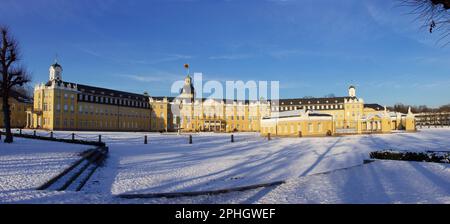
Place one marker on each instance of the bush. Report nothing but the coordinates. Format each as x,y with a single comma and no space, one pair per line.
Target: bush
437,157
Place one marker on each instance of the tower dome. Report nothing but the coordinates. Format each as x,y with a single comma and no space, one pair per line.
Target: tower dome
188,90
55,72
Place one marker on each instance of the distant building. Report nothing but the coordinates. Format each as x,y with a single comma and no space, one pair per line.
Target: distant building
433,119
19,104
331,116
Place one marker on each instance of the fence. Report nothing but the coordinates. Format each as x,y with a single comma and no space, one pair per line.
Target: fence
96,140
50,137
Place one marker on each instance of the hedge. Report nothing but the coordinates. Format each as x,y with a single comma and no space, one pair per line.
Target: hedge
428,156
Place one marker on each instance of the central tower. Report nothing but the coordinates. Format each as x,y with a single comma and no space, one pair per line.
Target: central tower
188,91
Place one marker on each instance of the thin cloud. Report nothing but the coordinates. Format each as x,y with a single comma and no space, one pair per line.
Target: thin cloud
168,58
155,61
232,57
156,76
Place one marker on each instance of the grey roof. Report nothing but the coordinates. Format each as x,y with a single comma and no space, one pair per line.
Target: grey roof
110,92
101,91
374,106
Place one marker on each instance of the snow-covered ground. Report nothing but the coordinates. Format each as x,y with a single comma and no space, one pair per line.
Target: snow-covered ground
169,164
26,164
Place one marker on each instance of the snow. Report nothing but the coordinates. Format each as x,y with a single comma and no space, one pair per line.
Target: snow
317,170
27,164
378,182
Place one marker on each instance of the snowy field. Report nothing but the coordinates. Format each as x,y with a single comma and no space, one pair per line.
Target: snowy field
317,170
26,164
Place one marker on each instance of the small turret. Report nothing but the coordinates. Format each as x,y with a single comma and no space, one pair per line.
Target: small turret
55,72
352,91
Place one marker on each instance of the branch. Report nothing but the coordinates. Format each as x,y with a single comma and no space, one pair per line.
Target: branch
18,77
435,15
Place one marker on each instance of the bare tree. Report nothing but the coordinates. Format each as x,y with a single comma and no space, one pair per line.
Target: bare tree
13,75
435,15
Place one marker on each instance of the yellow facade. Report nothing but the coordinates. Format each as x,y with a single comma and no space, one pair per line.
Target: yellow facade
59,107
206,115
18,108
160,115
348,115
410,121
62,105
302,124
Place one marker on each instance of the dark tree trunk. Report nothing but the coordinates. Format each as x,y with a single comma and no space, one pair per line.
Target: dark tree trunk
6,118
12,76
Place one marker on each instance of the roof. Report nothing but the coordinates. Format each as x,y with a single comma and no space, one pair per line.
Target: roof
374,106
100,91
110,92
56,65
19,96
171,99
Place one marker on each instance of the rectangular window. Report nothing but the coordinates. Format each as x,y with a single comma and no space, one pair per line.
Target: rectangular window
310,127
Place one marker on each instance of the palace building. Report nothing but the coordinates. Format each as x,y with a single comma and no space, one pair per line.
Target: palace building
61,105
194,114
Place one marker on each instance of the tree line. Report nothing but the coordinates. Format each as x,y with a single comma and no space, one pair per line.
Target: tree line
403,108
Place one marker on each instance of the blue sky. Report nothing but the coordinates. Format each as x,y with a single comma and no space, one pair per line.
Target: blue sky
313,47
